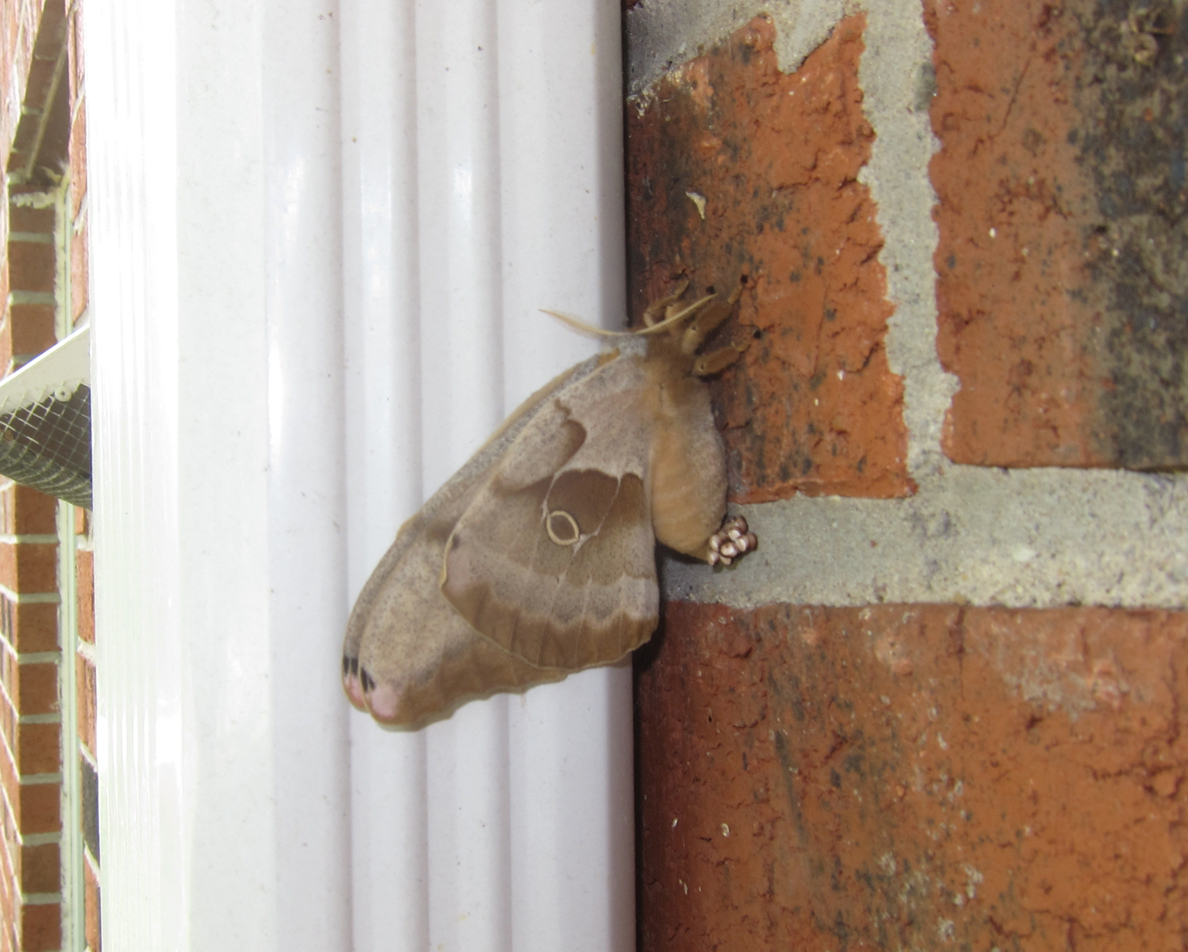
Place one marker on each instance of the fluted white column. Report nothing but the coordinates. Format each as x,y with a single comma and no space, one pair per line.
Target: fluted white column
320,235
483,144
216,248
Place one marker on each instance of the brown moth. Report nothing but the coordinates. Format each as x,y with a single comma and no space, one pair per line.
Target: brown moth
537,559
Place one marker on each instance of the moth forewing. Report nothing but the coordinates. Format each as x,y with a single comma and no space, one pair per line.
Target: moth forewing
588,600
408,656
538,558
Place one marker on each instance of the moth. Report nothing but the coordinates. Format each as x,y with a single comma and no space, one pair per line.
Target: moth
537,559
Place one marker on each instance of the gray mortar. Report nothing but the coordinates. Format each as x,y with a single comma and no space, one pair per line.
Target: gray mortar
895,74
663,34
1022,538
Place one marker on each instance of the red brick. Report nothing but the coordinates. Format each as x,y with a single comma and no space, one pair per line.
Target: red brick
8,723
80,522
39,78
9,824
912,776
85,580
31,266
85,681
25,511
37,806
32,687
36,625
40,808
1059,187
40,870
37,688
8,912
78,161
74,52
12,787
8,673
32,329
38,750
812,406
41,928
8,508
29,566
26,219
79,287
91,905
36,512
7,918
6,364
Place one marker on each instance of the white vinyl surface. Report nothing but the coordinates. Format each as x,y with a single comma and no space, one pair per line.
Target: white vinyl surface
320,237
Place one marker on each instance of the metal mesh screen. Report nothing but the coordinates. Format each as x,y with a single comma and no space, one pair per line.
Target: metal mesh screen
47,444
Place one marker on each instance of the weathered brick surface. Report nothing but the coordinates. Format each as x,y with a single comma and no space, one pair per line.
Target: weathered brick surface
85,685
30,626
31,266
31,328
34,34
78,162
79,252
8,919
37,748
18,23
40,808
913,777
25,511
41,928
40,870
29,566
812,406
91,903
28,219
85,571
1061,183
33,687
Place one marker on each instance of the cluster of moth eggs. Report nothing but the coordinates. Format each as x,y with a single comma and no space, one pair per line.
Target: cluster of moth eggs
731,541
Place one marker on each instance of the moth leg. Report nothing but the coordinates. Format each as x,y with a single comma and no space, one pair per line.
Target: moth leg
708,321
652,315
717,360
730,542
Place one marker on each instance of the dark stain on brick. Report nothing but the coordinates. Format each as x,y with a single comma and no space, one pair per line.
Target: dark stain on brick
1062,287
1133,96
90,806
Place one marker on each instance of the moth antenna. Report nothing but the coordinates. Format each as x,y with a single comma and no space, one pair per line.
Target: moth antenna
657,307
583,328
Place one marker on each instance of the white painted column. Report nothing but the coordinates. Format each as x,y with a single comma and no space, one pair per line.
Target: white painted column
484,161
220,511
319,239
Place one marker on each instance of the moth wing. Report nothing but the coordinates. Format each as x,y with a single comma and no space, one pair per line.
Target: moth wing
557,565
408,657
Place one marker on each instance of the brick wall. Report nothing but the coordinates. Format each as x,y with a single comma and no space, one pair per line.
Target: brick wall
43,289
939,706
77,278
